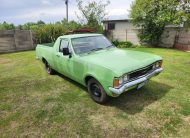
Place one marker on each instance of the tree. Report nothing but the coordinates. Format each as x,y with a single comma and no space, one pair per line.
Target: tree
28,25
184,12
31,25
40,22
6,26
92,13
153,15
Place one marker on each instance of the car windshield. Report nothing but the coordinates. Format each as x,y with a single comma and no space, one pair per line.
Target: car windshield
90,44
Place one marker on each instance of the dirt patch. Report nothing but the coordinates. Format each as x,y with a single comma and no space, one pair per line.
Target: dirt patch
188,61
187,119
4,60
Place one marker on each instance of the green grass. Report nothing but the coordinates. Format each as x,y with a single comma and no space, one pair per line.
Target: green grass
35,104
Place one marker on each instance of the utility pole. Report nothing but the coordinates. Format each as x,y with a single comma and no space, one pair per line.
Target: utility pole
67,15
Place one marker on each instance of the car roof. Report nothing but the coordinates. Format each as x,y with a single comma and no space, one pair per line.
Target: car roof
79,35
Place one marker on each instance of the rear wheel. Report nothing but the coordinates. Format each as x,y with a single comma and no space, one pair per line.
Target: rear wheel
48,68
97,92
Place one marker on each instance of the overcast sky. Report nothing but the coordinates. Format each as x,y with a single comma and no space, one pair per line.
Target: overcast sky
22,11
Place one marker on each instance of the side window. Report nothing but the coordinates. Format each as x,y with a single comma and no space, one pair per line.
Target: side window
64,44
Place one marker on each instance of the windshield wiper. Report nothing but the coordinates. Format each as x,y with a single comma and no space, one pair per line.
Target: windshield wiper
109,46
95,49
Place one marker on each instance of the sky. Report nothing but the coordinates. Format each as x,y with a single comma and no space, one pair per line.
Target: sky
50,11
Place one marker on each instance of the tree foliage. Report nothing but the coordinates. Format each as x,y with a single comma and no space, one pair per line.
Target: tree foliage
44,33
6,26
153,15
92,13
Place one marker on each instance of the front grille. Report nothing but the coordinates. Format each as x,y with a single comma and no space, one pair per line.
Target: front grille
140,73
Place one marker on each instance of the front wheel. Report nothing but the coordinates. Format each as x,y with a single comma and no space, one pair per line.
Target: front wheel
97,92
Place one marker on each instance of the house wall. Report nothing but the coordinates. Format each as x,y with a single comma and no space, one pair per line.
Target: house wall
124,31
15,40
171,37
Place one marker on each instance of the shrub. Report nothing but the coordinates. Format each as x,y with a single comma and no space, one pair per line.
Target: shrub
116,42
47,33
122,44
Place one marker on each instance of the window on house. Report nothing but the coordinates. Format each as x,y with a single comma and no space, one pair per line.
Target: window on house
111,26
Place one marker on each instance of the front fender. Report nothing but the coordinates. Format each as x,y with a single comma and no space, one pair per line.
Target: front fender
103,75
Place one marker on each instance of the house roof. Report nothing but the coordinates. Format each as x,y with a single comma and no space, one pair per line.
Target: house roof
127,20
118,20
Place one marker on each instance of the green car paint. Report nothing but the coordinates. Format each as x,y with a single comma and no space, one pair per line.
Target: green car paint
103,65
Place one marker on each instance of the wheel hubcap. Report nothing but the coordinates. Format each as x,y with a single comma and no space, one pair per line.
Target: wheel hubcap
95,90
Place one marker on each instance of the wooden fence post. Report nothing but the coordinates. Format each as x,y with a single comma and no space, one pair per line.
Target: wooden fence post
31,38
126,34
14,35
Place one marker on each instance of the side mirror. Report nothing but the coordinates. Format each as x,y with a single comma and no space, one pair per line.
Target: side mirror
66,52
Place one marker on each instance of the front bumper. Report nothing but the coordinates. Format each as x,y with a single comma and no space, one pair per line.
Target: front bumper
135,82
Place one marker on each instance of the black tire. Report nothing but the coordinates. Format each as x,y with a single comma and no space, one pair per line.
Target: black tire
49,70
97,92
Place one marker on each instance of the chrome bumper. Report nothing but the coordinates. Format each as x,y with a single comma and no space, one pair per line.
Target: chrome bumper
135,82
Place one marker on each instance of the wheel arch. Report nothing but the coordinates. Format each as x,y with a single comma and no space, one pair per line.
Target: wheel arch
88,77
44,60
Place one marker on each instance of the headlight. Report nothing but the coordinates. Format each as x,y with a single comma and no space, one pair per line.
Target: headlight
120,80
157,65
160,63
125,78
154,66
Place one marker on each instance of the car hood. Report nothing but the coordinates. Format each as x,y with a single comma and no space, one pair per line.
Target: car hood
119,60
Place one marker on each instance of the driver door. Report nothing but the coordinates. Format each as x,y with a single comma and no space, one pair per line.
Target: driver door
63,60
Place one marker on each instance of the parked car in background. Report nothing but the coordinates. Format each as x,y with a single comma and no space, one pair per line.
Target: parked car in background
93,61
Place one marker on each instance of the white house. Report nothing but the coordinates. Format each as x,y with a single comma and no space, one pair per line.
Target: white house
121,30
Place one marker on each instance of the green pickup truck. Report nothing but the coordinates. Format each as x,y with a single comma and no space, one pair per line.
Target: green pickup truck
93,61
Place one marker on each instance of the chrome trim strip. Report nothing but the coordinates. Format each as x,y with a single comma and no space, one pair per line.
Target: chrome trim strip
135,82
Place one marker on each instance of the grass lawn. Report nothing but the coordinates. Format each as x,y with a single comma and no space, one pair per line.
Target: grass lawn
35,104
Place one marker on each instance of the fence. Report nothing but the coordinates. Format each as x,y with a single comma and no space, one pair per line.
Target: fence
176,37
183,40
168,37
15,40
